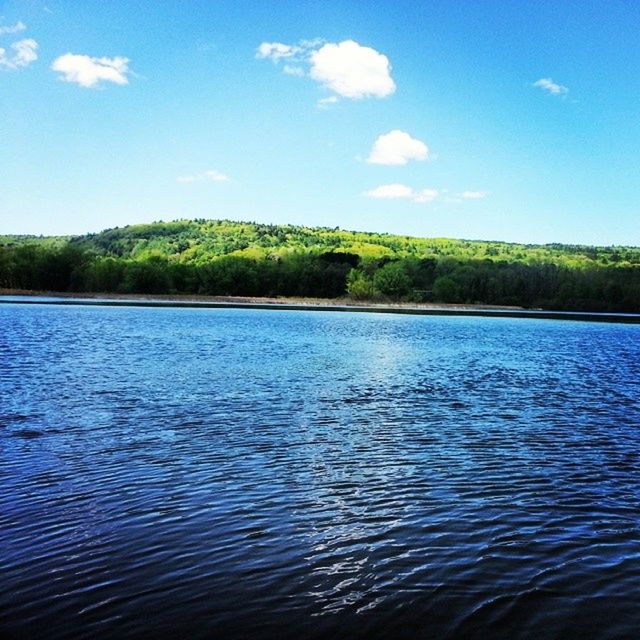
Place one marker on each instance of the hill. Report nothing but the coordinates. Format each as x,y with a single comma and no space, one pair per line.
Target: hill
240,258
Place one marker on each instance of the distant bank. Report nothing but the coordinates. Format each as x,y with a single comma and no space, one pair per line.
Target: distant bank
302,304
227,258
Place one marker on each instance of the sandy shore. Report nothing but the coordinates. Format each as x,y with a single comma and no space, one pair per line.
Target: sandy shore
303,304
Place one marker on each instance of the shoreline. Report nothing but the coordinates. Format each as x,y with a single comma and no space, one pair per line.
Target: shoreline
8,296
289,300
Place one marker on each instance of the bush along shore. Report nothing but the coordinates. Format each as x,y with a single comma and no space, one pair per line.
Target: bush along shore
223,258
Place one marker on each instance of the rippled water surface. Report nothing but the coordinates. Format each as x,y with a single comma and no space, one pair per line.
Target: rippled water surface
194,473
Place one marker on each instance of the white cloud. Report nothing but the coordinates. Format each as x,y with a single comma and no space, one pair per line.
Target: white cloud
473,195
291,70
206,176
397,147
425,195
324,103
24,53
216,176
398,191
547,84
90,72
15,28
347,68
352,71
457,198
390,191
275,51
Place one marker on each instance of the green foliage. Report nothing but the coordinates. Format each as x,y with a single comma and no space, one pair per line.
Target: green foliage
392,281
221,257
359,285
446,289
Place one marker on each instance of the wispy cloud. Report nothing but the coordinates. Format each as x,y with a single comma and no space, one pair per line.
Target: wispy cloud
425,195
397,148
346,68
398,191
390,192
90,72
473,195
548,85
457,198
212,175
14,28
292,70
275,51
23,53
324,103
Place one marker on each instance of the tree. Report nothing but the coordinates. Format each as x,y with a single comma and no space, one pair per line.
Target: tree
445,289
392,281
359,285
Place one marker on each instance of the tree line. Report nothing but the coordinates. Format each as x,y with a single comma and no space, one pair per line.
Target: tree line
77,267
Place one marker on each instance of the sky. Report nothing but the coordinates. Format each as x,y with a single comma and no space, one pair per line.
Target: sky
515,121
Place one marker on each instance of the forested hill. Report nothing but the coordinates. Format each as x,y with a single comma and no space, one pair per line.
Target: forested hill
202,240
236,258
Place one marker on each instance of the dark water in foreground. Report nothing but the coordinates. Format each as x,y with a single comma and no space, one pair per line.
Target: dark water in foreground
216,473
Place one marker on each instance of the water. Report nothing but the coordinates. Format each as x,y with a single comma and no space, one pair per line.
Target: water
192,473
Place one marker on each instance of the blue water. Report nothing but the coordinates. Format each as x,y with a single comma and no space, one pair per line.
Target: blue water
195,473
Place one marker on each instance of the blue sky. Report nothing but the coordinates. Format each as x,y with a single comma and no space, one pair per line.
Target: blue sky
485,120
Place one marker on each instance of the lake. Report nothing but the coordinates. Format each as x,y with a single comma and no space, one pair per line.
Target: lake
203,473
